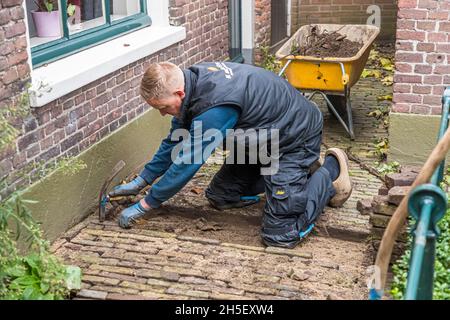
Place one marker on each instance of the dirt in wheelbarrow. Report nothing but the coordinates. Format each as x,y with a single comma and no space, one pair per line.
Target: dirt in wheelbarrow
327,45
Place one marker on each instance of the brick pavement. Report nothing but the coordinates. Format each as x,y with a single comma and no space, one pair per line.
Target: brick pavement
190,251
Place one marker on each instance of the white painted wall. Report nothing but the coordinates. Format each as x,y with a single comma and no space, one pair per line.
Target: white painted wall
126,8
159,12
289,17
248,29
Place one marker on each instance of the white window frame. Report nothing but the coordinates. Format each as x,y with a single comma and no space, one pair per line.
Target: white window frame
61,77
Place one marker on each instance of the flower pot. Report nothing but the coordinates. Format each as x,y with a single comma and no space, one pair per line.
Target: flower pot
47,23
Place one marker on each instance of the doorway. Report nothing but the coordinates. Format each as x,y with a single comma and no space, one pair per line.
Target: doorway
279,22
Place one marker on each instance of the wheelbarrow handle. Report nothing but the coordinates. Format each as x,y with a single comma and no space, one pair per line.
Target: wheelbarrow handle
285,67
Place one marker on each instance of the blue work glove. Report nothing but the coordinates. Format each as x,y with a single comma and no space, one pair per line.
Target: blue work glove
129,215
132,188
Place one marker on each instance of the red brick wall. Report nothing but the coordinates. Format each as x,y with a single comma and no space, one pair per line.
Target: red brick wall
76,121
262,26
422,56
14,70
344,12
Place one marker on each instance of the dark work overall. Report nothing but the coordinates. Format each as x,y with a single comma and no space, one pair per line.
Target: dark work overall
295,198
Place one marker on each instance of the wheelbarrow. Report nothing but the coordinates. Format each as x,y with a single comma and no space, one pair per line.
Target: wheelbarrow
330,77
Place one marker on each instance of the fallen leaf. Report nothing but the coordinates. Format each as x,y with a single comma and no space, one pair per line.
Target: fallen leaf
197,190
371,73
387,81
386,97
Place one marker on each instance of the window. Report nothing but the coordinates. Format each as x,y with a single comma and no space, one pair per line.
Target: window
66,74
58,28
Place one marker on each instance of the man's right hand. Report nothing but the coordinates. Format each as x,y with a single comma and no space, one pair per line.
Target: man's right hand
132,188
129,215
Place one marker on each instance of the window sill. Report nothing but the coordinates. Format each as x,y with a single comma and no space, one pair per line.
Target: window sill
61,77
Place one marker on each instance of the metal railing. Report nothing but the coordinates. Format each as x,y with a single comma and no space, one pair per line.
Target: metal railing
427,204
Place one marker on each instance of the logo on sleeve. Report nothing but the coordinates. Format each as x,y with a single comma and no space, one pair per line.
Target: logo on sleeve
227,70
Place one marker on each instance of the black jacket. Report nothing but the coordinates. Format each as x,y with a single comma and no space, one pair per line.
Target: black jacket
265,100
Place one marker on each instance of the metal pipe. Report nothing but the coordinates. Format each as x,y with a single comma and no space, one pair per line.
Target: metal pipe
439,174
417,255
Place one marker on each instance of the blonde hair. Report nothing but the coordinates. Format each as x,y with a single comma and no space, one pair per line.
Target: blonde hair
160,80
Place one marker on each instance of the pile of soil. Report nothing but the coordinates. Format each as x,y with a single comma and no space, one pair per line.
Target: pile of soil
327,45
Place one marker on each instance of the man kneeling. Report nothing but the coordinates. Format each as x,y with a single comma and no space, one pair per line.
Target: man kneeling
217,97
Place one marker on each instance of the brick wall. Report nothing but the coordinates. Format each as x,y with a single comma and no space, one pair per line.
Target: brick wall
74,122
344,12
422,56
262,26
295,15
14,70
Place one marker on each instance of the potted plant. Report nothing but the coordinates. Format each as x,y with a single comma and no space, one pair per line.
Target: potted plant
47,18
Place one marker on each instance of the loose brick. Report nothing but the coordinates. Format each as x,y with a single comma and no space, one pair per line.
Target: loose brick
396,194
364,206
378,220
377,234
380,205
400,179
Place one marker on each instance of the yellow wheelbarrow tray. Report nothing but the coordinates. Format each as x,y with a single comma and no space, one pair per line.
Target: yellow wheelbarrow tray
331,77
